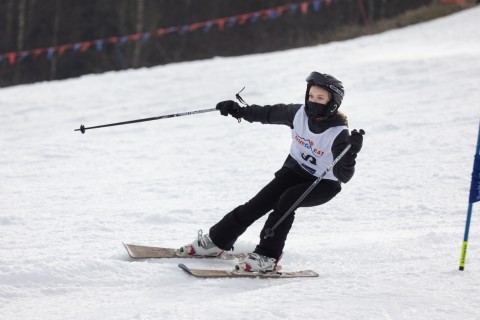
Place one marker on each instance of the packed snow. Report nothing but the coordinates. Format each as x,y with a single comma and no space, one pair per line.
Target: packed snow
387,247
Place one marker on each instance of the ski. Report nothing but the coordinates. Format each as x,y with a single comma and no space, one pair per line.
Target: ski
210,273
148,252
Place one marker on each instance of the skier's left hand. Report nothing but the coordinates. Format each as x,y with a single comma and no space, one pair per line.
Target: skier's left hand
356,140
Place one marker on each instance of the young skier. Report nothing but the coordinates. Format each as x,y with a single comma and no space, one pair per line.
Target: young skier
319,134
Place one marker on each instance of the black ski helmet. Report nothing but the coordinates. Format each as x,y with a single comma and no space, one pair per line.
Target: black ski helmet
329,83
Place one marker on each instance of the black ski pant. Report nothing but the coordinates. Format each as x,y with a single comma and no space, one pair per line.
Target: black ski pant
279,195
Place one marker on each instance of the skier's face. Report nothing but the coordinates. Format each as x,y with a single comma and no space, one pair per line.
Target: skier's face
319,95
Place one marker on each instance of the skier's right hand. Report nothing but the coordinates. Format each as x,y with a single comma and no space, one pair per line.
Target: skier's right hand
230,107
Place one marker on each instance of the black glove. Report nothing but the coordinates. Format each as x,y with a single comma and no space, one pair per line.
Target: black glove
230,107
356,140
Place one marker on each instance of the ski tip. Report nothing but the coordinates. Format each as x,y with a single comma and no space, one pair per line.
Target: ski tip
126,245
184,267
313,273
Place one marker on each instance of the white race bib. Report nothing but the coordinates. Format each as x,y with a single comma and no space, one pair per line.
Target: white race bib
313,151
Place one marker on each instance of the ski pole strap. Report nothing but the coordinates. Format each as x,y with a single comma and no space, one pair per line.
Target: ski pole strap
240,99
269,232
83,128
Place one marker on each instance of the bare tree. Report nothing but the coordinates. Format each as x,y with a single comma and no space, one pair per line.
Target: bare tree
56,25
22,6
9,25
371,10
138,29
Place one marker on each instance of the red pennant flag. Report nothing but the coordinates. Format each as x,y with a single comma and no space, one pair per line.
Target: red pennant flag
11,57
37,52
243,18
304,7
196,26
135,37
220,23
62,49
281,9
160,32
84,46
266,14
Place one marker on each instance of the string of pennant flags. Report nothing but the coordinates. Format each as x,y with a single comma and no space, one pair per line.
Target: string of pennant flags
206,26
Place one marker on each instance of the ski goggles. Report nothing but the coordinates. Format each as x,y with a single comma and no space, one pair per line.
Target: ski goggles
319,79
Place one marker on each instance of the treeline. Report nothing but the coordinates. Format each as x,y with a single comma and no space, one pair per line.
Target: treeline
34,31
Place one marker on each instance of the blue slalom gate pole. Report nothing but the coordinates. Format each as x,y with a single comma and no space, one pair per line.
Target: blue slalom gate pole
474,197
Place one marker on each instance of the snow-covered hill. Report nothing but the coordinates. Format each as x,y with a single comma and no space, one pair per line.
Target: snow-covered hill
386,248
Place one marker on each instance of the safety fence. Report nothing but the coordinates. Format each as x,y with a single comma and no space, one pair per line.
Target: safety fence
92,37
204,26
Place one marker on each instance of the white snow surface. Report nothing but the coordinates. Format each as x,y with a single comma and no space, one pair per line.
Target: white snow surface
387,247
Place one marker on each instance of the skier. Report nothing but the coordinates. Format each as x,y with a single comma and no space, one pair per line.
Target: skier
319,134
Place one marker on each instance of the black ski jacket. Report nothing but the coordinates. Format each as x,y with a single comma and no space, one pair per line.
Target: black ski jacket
284,114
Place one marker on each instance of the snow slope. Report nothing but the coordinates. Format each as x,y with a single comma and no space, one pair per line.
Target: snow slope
386,248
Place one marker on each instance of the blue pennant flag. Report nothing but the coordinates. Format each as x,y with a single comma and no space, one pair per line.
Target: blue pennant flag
475,186
99,44
171,29
207,27
272,15
146,37
231,22
50,53
23,56
255,17
183,30
293,8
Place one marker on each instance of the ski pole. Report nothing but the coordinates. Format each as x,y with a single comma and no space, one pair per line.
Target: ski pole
83,128
269,232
